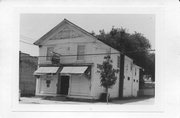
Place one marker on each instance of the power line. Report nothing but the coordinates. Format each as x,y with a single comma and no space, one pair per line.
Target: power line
83,54
94,54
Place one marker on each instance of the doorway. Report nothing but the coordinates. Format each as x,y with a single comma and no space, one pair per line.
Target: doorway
63,85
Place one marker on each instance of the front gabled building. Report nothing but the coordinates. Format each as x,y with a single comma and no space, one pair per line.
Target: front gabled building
68,58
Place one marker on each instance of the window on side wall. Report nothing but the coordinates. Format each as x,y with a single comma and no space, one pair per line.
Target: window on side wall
80,52
49,53
126,67
131,65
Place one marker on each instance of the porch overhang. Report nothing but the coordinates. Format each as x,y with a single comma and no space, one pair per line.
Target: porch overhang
46,70
74,69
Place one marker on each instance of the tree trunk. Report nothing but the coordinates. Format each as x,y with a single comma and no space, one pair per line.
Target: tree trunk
107,95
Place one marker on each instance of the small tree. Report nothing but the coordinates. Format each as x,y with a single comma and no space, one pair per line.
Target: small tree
107,74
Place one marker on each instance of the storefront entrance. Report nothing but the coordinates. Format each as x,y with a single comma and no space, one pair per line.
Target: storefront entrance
63,85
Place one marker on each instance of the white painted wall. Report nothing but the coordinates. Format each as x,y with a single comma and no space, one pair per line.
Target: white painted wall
127,89
136,78
43,89
131,87
96,88
69,47
79,85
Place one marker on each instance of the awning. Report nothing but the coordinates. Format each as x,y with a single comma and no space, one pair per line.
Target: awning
74,69
45,70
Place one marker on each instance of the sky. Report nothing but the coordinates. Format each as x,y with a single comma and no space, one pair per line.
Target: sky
34,26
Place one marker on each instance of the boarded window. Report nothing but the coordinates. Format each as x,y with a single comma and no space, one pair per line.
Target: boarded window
118,61
49,53
80,52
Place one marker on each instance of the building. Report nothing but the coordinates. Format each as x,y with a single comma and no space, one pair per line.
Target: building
68,64
148,88
27,66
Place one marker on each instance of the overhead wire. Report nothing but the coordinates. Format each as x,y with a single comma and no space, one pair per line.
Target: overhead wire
84,54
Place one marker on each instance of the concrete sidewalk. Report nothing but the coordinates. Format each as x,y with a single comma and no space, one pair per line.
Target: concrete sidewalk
40,100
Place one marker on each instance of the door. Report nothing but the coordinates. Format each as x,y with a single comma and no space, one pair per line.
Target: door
59,84
64,86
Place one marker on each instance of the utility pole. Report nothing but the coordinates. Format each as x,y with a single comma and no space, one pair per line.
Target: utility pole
121,74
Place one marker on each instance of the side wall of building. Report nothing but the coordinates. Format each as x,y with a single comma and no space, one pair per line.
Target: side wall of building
131,78
27,82
96,88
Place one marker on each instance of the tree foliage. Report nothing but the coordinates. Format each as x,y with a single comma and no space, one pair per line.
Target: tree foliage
107,74
134,45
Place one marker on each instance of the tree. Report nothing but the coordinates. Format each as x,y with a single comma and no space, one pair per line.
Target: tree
107,74
134,45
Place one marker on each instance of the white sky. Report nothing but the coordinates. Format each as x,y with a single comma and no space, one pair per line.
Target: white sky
33,26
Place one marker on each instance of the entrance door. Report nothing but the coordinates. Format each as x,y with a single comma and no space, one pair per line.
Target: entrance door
64,85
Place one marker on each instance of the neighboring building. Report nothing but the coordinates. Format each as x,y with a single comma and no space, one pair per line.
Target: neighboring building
27,66
148,88
73,71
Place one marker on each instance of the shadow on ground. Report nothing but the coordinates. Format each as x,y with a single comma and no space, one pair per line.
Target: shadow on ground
113,101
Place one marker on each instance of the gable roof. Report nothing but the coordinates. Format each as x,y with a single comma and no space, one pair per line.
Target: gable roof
72,24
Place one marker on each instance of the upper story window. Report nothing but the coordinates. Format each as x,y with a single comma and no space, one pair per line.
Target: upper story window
49,53
80,52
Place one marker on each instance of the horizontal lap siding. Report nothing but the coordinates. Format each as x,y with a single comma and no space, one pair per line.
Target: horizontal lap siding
80,85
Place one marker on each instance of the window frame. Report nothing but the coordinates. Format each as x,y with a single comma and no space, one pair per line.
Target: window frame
48,54
80,53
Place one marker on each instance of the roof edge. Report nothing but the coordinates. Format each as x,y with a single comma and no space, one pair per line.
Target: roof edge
69,22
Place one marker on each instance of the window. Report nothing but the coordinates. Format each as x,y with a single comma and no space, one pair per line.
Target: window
118,61
80,52
126,67
109,52
48,82
49,53
131,65
128,78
